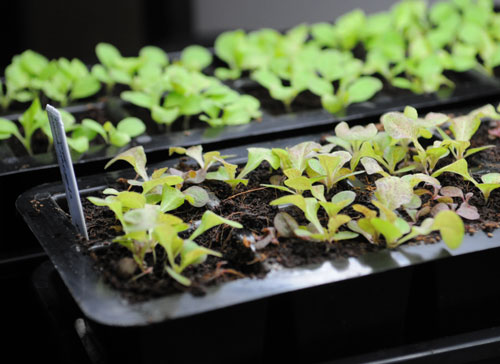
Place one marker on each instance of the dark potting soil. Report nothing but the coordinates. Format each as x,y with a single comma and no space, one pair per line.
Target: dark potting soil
250,206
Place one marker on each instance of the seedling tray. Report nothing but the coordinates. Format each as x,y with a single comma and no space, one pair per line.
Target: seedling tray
331,310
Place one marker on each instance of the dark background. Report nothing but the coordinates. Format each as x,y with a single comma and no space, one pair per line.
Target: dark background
62,28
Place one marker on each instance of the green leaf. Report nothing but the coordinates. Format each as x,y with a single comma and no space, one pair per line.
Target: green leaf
95,127
491,181
119,138
136,158
464,127
451,228
8,128
131,200
331,103
356,133
177,276
142,219
164,116
209,220
107,54
363,89
131,126
85,87
196,57
389,230
193,254
196,196
459,167
138,98
164,180
155,55
255,157
171,198
308,205
99,72
80,144
112,203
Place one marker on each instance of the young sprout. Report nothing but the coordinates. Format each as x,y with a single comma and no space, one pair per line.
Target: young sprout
445,200
351,139
310,206
329,168
407,128
32,120
463,128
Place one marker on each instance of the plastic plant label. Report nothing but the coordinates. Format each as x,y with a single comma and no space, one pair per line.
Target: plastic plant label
67,172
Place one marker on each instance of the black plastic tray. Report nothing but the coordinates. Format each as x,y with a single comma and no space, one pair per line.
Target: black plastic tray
335,309
470,86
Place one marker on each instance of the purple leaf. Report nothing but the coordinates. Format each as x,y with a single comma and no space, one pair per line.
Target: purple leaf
468,211
438,208
451,191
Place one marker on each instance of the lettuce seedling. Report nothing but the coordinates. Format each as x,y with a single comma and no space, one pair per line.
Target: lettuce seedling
310,207
33,119
184,92
187,250
491,181
297,157
297,184
445,200
23,77
351,139
65,81
136,157
114,68
119,136
255,156
227,174
463,128
330,168
333,65
397,231
407,127
204,160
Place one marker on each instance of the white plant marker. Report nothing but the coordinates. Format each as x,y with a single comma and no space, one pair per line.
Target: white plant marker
67,172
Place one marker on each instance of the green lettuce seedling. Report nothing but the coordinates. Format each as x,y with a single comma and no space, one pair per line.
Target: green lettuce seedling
22,77
33,119
297,184
351,139
310,207
491,181
187,250
333,65
114,68
463,128
408,127
227,174
255,156
204,160
330,168
180,91
119,136
65,81
298,156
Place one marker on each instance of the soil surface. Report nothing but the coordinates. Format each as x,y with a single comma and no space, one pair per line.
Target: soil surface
249,205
